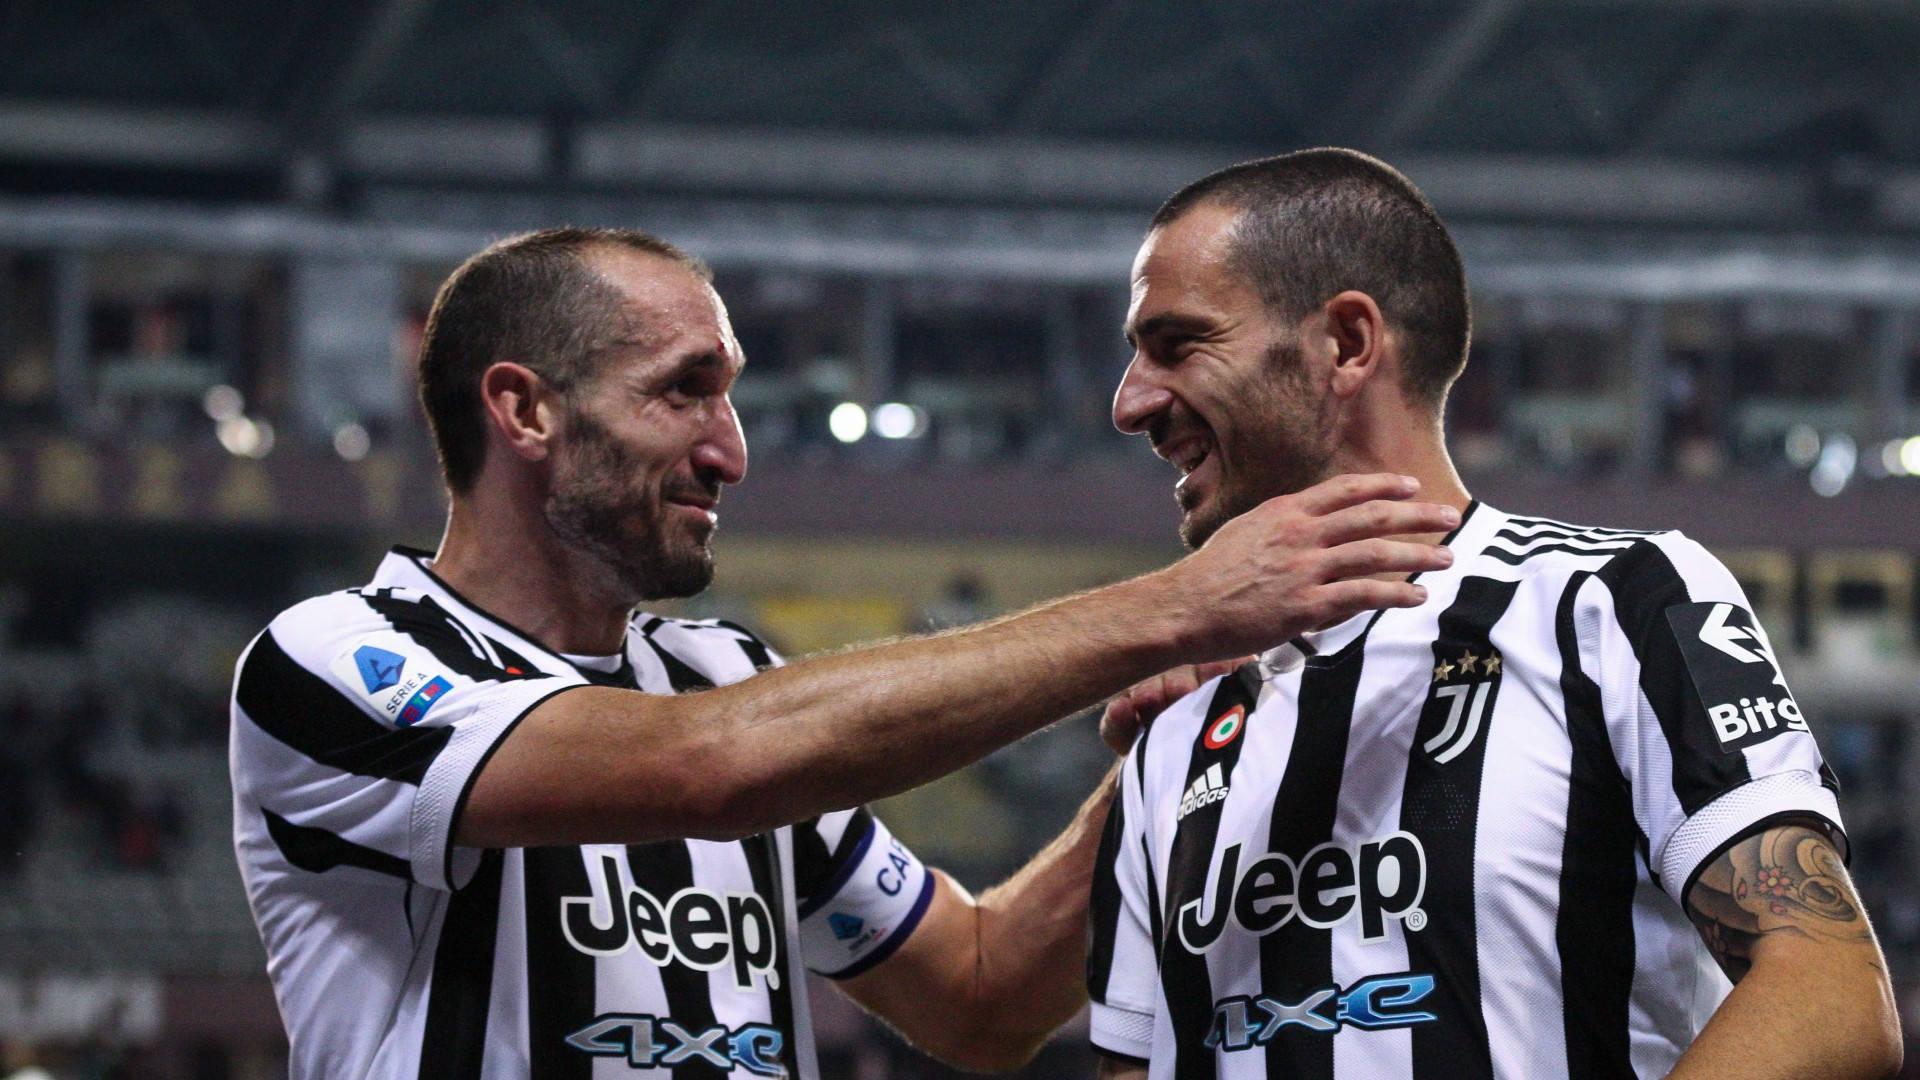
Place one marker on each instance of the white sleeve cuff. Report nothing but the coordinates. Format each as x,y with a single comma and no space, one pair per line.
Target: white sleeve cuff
1713,825
1122,1031
443,790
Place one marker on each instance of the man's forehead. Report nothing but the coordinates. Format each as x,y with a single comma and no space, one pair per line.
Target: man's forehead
663,300
1188,258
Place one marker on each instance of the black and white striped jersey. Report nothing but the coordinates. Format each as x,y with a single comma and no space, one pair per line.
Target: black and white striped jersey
360,721
1452,841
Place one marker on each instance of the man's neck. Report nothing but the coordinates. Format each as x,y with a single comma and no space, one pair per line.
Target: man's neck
1410,442
508,562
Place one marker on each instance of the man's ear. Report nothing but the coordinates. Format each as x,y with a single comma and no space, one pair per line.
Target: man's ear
522,408
1358,333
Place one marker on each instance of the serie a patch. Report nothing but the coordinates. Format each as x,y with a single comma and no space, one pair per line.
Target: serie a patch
1733,670
393,676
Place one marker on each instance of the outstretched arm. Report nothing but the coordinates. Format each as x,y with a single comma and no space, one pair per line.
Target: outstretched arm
597,765
982,983
1812,998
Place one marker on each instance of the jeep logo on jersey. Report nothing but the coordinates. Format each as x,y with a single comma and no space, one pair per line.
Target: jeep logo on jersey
695,927
1735,673
1379,879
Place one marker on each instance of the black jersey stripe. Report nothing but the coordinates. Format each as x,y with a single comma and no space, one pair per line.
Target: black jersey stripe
514,663
317,850
763,863
560,978
1104,900
307,713
1296,959
432,628
1520,539
1441,807
818,874
1189,989
667,867
1515,558
757,652
1645,583
1594,923
1157,922
1549,523
680,674
454,1041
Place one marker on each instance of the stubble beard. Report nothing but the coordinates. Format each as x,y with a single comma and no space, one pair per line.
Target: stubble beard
592,508
1295,454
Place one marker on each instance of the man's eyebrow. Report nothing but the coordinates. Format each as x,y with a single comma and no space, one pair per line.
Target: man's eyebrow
1162,324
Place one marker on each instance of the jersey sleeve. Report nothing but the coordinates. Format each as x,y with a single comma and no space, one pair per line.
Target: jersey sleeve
1699,716
861,892
360,721
1122,971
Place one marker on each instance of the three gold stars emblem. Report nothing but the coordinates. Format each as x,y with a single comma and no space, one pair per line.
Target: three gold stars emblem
1467,666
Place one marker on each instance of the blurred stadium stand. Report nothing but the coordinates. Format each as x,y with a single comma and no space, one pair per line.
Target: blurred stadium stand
1693,229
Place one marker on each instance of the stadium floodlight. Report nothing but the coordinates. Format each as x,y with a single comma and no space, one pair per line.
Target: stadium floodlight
245,437
896,420
1885,463
1910,456
847,422
222,402
1838,458
1803,445
351,442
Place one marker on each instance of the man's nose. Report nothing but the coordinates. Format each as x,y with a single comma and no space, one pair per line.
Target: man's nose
723,450
1139,398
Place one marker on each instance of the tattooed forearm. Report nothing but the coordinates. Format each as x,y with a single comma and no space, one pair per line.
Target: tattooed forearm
1787,880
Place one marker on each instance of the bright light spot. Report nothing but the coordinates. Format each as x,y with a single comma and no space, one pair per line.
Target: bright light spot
223,402
897,421
245,438
1803,445
1890,462
1910,456
848,422
351,441
1835,466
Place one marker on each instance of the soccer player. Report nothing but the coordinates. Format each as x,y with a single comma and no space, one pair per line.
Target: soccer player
473,848
1562,819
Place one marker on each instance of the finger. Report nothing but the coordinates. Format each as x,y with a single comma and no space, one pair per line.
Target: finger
1181,682
1382,518
1119,724
1214,668
1352,489
1341,599
1364,557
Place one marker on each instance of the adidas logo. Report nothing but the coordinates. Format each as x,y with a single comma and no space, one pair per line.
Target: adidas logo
1207,788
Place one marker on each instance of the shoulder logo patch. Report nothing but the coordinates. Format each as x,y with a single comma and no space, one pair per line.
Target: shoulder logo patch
1733,670
399,682
379,668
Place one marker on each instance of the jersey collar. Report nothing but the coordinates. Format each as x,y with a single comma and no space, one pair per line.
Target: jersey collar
411,568
1468,539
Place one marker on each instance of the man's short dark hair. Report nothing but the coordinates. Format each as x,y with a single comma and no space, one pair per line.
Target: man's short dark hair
1315,223
534,299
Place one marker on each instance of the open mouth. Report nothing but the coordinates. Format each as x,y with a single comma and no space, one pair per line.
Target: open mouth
1186,454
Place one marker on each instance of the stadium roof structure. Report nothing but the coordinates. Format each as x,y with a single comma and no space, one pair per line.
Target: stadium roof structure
1767,113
